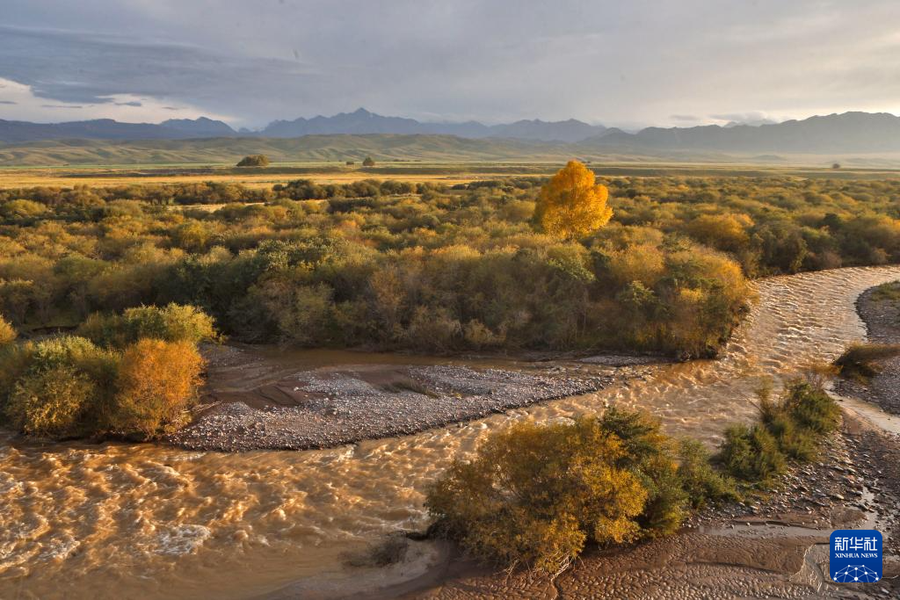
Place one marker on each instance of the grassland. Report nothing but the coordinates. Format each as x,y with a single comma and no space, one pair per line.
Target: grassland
417,158
445,172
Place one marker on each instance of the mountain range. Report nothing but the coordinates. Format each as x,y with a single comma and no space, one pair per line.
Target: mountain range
857,132
359,122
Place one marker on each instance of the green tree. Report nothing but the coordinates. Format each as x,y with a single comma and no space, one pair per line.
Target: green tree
254,160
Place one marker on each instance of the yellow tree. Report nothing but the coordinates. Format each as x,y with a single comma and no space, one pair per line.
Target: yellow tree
571,204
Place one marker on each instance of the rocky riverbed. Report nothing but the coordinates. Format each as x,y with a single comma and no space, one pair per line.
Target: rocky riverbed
330,405
879,308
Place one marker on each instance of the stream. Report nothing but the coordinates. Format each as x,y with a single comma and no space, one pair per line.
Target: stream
142,521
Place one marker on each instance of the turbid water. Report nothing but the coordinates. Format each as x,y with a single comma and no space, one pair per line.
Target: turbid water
139,521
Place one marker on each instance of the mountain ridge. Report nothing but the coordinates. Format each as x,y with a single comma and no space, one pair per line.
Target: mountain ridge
854,131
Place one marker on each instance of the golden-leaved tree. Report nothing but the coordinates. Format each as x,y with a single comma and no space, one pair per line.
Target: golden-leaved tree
571,204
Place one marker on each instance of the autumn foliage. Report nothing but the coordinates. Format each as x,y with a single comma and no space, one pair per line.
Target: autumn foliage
535,495
571,205
139,380
7,332
157,382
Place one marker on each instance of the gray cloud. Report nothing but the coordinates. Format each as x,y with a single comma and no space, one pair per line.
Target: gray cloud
9,102
625,63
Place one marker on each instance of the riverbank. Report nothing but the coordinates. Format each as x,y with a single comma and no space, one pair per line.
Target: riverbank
879,308
337,398
110,521
775,545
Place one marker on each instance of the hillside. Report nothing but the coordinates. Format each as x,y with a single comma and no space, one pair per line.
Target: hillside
308,148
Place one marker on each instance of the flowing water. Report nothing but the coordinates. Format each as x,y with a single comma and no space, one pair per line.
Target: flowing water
140,521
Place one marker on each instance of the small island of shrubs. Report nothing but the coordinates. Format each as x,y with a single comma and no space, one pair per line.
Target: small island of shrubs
133,375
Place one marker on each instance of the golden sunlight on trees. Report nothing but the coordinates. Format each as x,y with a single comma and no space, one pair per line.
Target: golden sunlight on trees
157,383
535,495
7,333
571,204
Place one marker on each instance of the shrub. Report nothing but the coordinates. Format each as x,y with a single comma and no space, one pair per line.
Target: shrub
811,408
790,428
534,495
368,162
649,454
752,454
701,481
432,329
51,401
254,160
171,323
859,361
157,382
55,385
14,362
7,333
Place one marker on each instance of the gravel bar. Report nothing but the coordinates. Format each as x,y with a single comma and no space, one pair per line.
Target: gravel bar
328,407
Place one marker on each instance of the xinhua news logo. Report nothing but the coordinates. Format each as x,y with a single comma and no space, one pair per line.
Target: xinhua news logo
856,556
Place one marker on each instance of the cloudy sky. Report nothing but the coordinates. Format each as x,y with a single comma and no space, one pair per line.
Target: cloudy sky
616,62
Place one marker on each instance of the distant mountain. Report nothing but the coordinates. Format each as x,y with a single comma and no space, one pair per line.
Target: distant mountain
108,129
359,122
852,132
362,122
202,127
558,131
836,133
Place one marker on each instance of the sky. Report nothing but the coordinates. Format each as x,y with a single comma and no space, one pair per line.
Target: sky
627,63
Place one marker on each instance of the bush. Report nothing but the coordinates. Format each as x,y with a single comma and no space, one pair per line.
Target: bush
14,362
254,160
790,428
172,323
649,454
701,481
7,333
859,361
51,402
811,408
534,495
752,454
156,384
55,385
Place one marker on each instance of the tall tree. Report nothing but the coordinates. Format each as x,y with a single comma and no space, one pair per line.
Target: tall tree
571,204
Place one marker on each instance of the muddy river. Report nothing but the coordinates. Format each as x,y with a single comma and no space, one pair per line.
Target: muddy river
139,521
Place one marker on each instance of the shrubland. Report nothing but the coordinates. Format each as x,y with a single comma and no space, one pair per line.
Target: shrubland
393,265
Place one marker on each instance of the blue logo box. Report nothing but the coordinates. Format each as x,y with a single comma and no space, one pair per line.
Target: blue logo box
856,556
